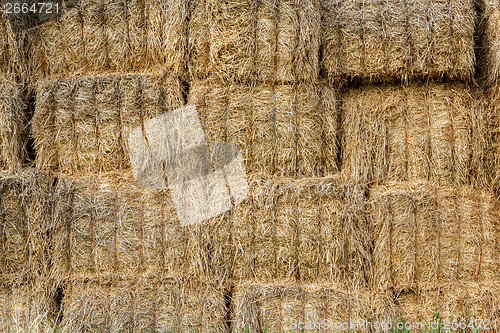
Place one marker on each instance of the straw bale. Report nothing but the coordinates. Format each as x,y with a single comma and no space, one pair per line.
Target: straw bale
111,36
453,302
12,124
143,305
398,40
83,124
270,41
494,152
12,43
423,132
25,225
107,226
279,306
25,309
490,34
308,230
284,130
427,235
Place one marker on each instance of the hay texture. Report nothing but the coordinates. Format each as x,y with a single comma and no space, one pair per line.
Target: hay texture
280,306
427,235
494,152
143,305
285,130
25,224
83,124
455,303
270,41
490,34
422,132
398,40
304,230
13,124
12,58
26,309
107,227
111,36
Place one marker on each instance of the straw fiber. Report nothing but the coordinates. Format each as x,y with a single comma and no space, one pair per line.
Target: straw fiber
398,40
422,132
269,41
429,235
111,36
309,229
12,124
143,305
280,306
283,130
83,124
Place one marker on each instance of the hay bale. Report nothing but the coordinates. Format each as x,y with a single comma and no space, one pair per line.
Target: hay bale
141,305
12,43
427,235
493,152
12,125
25,222
83,124
397,40
490,35
26,309
280,306
270,41
455,304
309,230
107,226
284,130
111,36
422,132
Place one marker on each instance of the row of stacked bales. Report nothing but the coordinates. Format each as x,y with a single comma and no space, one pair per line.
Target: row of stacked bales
423,147
119,259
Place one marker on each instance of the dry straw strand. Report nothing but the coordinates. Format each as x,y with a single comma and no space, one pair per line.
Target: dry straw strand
398,40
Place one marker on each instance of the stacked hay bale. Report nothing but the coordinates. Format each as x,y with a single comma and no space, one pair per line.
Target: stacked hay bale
26,295
419,143
110,36
490,38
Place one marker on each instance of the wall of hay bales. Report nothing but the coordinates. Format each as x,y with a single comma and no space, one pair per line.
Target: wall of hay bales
369,132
